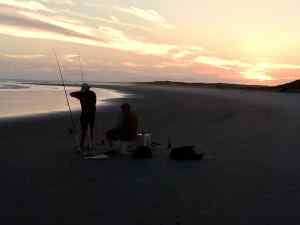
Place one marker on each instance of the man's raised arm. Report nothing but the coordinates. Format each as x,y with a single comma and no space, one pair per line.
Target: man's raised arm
76,94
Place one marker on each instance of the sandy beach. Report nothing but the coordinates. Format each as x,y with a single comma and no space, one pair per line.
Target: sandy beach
253,177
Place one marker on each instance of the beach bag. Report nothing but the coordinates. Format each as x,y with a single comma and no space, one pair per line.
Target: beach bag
185,153
142,152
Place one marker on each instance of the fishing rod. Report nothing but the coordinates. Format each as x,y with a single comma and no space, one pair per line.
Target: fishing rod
81,70
73,129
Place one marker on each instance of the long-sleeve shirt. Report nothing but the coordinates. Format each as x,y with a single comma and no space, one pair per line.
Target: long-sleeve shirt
87,100
128,125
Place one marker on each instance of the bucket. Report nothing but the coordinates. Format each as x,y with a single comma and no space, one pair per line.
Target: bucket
144,139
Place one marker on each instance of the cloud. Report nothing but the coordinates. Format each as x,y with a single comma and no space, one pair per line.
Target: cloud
34,25
229,64
132,65
115,21
59,2
68,20
149,15
164,65
226,64
64,2
278,66
71,57
181,54
27,21
188,51
35,21
118,40
29,5
23,56
58,22
45,34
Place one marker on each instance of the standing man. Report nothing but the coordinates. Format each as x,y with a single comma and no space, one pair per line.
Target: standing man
87,100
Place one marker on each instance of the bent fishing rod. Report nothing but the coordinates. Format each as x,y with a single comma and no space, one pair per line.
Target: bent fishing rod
73,129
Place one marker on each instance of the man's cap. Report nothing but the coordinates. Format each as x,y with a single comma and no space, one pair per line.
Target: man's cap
85,86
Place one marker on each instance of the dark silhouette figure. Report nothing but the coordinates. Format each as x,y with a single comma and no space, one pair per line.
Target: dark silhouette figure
126,129
87,100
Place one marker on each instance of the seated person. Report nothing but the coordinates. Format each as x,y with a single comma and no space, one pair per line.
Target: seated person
126,129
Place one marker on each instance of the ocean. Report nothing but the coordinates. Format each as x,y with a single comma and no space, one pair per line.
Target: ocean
18,99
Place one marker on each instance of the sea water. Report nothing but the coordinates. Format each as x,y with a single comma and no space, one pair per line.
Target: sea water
19,99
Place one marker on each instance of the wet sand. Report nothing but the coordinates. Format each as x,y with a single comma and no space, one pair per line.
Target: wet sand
254,178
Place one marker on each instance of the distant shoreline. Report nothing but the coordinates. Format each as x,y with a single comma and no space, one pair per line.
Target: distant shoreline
292,87
210,85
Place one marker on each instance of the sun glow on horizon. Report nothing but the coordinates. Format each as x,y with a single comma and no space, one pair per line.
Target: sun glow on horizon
256,75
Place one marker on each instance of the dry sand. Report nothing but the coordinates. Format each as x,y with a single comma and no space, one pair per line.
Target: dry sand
254,178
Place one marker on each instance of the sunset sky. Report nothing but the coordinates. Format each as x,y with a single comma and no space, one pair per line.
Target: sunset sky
236,41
